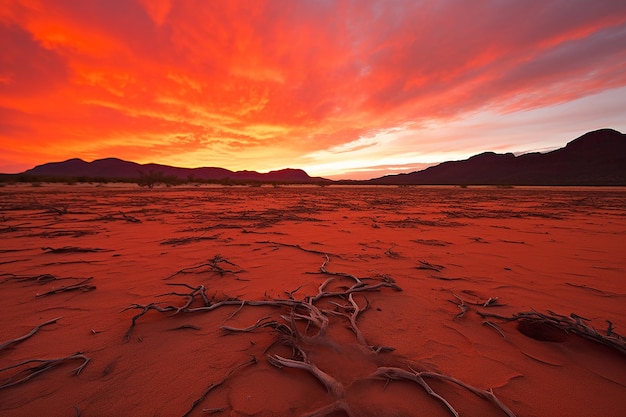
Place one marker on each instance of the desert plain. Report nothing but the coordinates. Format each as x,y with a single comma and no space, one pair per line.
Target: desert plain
310,300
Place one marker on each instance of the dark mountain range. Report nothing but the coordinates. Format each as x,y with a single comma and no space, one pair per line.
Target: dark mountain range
595,158
114,168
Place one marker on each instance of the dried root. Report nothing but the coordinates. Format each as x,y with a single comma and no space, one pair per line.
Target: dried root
39,279
213,265
306,324
334,387
428,266
199,290
302,309
461,305
72,249
569,324
42,366
178,241
122,216
81,286
358,286
391,373
29,334
252,361
494,326
289,245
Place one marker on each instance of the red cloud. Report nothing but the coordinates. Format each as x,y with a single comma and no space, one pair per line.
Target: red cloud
127,78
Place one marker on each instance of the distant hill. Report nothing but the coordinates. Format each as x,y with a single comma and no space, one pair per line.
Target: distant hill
114,168
595,158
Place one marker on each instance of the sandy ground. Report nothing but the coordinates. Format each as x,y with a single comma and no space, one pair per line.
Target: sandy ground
294,298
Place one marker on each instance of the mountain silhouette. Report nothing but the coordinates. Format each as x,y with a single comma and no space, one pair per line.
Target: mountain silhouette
114,168
595,158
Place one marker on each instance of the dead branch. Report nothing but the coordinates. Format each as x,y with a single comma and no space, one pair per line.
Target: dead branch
82,286
289,245
262,233
291,334
211,387
570,324
391,373
323,270
492,301
334,387
352,317
358,287
40,279
213,265
431,242
186,240
130,219
428,266
519,242
80,261
199,290
58,210
446,278
464,308
122,216
356,311
262,322
235,312
495,326
9,229
210,307
393,254
291,293
29,334
73,249
44,365
70,233
486,394
463,304
145,308
313,316
397,373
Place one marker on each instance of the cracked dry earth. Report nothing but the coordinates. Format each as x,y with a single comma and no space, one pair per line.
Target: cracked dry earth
307,300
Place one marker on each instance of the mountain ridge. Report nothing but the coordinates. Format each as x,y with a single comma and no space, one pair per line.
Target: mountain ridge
116,168
594,158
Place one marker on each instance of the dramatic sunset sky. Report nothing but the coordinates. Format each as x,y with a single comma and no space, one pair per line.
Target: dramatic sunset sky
342,89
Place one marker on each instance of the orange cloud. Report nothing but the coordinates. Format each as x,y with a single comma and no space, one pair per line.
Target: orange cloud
267,84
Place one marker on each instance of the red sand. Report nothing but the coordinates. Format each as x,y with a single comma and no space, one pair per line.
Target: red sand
542,249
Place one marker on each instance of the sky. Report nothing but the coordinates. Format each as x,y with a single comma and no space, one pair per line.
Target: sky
342,89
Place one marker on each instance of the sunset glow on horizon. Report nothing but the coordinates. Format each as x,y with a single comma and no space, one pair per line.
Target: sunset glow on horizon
341,89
